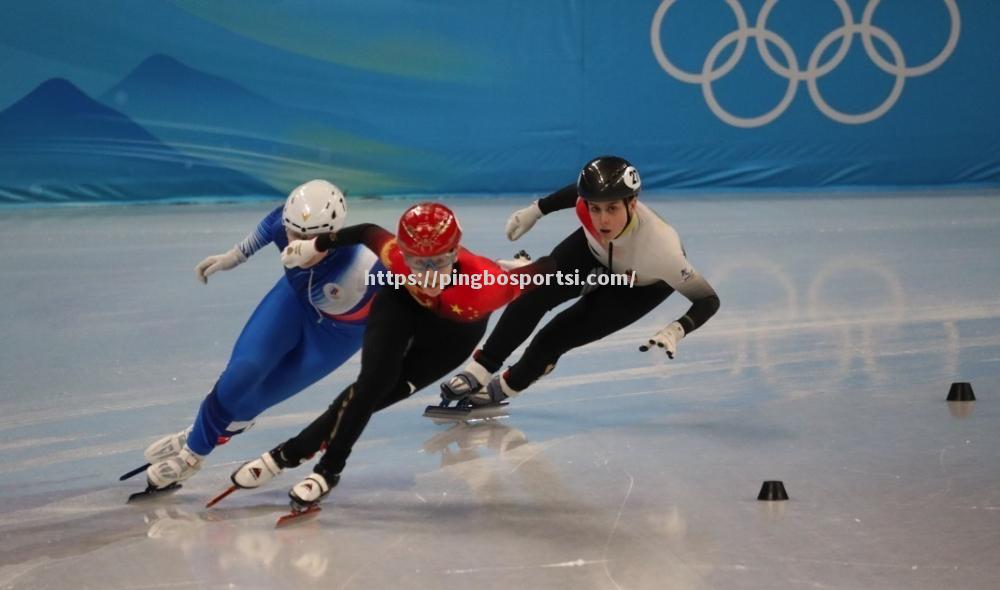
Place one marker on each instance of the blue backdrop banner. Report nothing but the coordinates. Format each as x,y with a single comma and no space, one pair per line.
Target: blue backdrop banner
142,100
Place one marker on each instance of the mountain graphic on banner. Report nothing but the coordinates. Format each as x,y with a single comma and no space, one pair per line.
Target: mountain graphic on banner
58,144
220,120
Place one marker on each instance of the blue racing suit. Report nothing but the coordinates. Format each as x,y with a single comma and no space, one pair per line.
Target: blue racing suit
309,324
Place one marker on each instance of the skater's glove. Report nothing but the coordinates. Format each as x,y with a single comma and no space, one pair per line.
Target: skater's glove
299,253
667,339
522,220
213,264
520,259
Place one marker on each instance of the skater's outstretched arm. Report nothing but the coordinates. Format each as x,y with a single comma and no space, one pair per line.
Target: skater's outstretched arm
372,235
704,303
675,269
261,236
564,198
524,219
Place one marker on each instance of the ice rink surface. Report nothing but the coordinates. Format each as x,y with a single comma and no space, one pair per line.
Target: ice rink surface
844,320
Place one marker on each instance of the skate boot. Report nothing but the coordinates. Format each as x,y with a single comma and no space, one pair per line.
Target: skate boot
307,493
261,470
465,383
305,497
256,473
174,469
168,446
497,391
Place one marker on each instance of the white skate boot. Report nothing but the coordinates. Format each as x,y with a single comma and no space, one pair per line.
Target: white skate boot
174,469
306,495
256,473
308,492
168,446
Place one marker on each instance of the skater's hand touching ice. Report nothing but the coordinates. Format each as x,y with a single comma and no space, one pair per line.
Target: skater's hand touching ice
213,264
667,339
522,220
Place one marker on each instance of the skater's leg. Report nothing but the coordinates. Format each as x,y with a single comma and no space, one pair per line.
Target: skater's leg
435,347
311,439
292,452
594,316
436,351
521,316
386,339
274,329
322,350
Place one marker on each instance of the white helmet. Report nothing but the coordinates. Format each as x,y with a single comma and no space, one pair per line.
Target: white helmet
314,208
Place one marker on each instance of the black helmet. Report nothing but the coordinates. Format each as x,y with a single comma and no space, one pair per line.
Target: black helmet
608,178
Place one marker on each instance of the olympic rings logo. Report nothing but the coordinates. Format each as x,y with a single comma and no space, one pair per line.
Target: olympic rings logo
814,69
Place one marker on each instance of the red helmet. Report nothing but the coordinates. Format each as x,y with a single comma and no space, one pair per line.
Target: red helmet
428,229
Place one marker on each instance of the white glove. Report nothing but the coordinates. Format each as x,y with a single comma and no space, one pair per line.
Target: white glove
522,258
299,253
667,339
522,220
213,264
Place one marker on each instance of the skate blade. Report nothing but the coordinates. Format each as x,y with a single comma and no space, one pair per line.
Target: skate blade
151,492
220,497
296,516
134,472
442,415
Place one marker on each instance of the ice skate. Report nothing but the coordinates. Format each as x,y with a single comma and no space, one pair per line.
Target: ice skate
482,404
459,389
311,490
167,447
495,393
306,495
167,475
469,381
152,491
253,474
464,411
174,469
161,449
